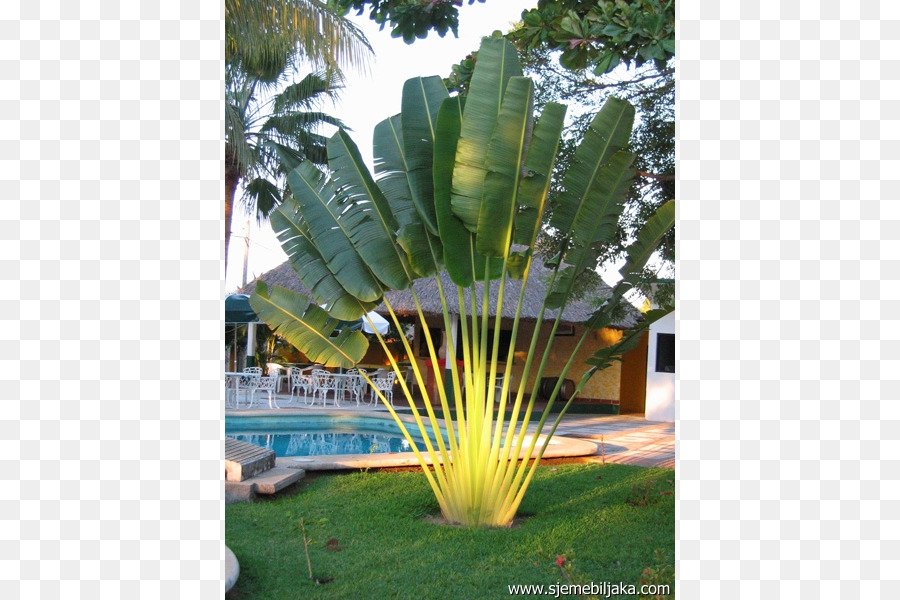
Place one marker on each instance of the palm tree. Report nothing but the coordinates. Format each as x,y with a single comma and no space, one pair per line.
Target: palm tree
263,41
261,34
264,128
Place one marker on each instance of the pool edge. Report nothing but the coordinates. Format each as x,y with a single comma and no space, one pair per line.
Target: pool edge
560,446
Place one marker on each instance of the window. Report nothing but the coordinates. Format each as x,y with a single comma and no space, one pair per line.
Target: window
665,352
505,339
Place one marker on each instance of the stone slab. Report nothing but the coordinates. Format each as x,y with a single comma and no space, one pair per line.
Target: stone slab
243,460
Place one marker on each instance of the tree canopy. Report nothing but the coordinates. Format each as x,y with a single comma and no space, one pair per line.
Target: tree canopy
594,34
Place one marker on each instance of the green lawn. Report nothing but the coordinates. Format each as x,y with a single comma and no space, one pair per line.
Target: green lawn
607,519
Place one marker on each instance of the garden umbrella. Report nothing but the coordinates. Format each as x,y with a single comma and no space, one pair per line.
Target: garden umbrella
237,309
378,321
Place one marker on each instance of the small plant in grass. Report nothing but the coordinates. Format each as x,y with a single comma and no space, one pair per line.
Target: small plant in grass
331,545
648,491
460,187
566,566
661,573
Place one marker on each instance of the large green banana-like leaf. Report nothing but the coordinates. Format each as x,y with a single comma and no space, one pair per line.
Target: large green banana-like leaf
497,63
421,101
307,327
538,167
460,256
503,163
648,238
392,176
366,213
594,223
456,238
608,132
605,357
326,290
638,253
331,232
391,170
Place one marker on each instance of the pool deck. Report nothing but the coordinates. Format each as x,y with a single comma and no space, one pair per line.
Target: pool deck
625,439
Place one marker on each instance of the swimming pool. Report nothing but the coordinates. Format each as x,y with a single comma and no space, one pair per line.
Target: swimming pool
311,438
318,435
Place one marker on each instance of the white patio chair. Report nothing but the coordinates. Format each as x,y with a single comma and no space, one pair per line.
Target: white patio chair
302,379
498,388
325,382
410,377
266,384
370,390
281,372
231,391
385,385
248,382
355,386
254,370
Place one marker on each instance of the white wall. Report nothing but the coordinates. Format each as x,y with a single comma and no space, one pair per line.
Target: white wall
660,403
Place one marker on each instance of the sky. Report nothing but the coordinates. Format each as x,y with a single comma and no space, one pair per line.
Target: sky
369,98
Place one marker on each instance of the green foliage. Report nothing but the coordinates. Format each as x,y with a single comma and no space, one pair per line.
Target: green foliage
360,236
595,34
601,34
392,547
409,19
651,89
308,327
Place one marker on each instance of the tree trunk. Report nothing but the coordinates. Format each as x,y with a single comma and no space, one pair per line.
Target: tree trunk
232,175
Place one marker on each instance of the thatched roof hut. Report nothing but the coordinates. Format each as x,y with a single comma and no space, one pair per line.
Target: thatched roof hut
429,299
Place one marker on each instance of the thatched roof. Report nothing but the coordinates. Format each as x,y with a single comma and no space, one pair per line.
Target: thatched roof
429,299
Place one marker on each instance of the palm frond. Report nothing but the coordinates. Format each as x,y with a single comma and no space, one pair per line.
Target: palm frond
260,198
308,92
260,33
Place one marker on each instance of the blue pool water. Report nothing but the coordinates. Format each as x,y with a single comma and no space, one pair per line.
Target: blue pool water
325,443
316,435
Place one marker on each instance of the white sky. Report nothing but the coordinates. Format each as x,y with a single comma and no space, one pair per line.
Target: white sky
367,100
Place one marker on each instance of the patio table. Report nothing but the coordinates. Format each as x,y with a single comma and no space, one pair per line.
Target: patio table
235,382
342,382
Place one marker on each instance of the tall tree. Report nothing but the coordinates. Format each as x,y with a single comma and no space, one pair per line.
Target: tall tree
264,40
264,128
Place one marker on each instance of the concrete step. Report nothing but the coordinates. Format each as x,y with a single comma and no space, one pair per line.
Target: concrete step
275,479
270,482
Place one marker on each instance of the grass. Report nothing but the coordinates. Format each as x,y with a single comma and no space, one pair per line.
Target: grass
608,520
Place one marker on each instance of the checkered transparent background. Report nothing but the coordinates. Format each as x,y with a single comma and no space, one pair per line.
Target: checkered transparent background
787,293
110,173
110,176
